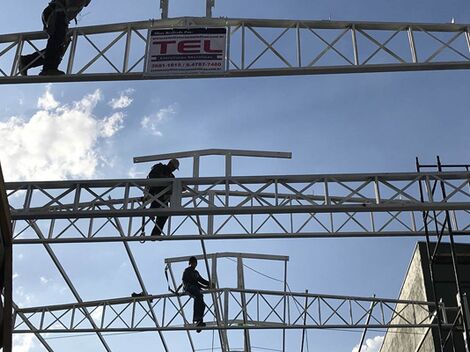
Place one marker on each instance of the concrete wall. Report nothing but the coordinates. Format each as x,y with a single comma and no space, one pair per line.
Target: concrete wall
417,286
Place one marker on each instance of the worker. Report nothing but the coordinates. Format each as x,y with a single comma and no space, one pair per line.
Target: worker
192,284
161,171
56,18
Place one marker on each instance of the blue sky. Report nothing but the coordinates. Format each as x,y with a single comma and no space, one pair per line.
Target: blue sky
332,124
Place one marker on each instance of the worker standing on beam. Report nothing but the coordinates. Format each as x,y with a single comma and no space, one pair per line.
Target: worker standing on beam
192,284
56,18
161,194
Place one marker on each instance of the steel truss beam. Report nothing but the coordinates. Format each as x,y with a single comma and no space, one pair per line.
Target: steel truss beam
256,47
260,310
238,207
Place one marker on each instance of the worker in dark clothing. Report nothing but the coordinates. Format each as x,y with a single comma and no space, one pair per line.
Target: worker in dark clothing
192,284
56,18
161,171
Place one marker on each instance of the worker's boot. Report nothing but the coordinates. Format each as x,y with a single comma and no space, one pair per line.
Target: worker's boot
201,324
51,72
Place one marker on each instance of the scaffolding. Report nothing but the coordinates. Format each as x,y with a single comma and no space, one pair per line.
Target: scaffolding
439,225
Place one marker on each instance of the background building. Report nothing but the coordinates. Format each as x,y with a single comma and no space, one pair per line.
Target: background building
417,286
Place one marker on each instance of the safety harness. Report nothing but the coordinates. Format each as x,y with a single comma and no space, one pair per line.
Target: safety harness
177,291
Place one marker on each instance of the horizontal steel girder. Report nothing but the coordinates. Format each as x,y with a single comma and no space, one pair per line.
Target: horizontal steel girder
263,309
292,206
298,48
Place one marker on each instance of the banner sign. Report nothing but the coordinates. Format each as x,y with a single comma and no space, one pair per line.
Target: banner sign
190,50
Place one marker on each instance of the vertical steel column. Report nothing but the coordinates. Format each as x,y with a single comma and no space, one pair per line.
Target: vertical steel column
241,286
209,6
285,307
6,263
164,8
305,322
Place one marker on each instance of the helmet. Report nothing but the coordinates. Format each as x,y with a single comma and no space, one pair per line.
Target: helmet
175,163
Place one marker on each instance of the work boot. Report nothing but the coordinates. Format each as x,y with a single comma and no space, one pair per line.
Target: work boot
51,72
22,66
201,324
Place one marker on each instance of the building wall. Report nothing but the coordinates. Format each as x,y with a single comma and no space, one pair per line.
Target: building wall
417,286
407,340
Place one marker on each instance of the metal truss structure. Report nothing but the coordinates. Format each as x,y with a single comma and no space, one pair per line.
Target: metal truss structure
288,206
229,309
241,207
262,310
234,207
255,47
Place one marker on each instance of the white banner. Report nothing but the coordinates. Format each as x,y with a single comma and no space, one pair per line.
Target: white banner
191,50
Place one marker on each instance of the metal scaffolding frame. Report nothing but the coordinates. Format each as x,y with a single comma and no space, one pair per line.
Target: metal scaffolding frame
440,226
255,47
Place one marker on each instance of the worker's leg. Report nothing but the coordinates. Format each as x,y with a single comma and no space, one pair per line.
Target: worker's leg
161,220
159,225
57,28
199,306
33,60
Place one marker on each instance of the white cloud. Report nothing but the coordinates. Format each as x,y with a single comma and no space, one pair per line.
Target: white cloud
97,314
58,141
23,343
47,101
123,101
133,173
43,280
110,125
371,345
152,123
15,275
22,298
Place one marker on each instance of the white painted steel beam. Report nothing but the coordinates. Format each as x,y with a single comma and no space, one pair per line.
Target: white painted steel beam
263,310
283,206
314,47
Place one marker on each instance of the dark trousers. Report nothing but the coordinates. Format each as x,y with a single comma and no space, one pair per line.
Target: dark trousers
56,26
161,220
199,305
